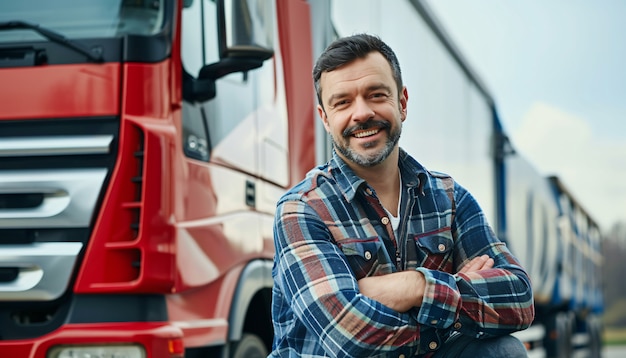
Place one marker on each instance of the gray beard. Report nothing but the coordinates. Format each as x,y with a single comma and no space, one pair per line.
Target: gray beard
372,159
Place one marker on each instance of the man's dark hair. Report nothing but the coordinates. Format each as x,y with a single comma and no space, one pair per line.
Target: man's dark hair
347,49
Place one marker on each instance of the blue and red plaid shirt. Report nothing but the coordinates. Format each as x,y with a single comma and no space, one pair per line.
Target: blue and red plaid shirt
331,230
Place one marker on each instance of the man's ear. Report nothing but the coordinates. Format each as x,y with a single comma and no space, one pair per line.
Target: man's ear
322,113
404,98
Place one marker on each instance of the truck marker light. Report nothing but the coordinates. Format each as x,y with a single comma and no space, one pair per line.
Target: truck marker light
176,347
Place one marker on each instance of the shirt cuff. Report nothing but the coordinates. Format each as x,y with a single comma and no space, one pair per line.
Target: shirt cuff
441,299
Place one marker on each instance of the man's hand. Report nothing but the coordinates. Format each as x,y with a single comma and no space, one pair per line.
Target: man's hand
399,291
483,262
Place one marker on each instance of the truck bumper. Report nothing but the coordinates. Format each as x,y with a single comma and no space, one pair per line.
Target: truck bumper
158,340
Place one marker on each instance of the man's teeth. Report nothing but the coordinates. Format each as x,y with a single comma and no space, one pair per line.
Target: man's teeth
366,133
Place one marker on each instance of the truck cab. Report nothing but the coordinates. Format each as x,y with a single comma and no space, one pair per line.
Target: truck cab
143,146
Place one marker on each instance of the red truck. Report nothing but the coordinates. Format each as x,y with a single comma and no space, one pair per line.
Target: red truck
143,146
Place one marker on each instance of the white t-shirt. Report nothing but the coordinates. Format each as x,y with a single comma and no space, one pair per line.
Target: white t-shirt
395,220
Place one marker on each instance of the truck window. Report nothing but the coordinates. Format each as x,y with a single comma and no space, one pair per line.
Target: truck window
83,19
199,35
238,95
199,47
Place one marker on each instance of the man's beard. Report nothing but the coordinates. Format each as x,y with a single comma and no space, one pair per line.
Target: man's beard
368,160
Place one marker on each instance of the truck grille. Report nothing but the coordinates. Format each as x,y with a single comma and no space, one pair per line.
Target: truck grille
52,175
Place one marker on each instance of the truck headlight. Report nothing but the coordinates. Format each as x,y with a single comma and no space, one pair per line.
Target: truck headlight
97,351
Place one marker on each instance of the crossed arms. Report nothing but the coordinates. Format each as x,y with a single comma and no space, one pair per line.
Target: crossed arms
404,290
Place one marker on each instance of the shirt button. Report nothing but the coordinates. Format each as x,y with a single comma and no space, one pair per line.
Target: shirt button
441,247
401,356
368,191
457,325
368,255
385,220
432,345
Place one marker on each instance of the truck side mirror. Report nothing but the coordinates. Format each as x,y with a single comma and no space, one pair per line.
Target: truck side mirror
245,30
245,37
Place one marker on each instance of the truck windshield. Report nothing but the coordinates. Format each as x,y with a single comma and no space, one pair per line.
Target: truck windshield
82,19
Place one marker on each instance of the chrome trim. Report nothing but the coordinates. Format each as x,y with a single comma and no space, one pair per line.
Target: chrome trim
47,146
70,197
45,270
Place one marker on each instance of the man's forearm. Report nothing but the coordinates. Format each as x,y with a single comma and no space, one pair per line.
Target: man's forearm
399,291
404,290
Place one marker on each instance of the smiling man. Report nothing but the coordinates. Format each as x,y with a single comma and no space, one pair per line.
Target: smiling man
355,96
377,256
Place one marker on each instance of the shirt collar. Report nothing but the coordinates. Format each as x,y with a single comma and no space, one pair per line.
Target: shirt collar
412,172
347,181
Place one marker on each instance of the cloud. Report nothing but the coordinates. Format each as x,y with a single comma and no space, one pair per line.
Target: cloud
593,168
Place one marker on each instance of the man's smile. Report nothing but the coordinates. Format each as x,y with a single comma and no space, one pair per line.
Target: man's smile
366,133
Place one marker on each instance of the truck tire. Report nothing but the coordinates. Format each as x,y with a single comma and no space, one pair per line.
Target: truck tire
250,346
564,324
594,329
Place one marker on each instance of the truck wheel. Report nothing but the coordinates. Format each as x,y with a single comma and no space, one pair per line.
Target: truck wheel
594,330
250,346
564,324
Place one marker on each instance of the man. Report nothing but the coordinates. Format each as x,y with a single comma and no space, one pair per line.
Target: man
375,255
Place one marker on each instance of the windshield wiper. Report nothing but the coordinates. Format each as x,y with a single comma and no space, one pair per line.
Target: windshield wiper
54,37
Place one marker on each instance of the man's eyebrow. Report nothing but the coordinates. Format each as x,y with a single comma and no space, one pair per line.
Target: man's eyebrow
379,86
372,88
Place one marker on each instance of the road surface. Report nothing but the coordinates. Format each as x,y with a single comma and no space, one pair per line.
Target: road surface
614,352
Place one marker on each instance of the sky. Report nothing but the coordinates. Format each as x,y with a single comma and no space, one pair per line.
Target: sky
557,72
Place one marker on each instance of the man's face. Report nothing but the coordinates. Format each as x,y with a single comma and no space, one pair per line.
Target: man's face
363,110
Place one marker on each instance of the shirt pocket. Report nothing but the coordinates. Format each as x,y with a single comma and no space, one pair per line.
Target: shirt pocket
435,249
362,255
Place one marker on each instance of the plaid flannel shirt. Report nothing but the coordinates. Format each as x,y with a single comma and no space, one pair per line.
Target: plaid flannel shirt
331,230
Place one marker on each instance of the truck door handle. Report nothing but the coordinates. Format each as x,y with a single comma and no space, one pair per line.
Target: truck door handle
250,194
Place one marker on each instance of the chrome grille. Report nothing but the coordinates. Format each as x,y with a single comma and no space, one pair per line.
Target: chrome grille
52,176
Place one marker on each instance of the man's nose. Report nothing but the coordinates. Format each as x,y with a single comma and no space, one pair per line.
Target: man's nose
362,110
